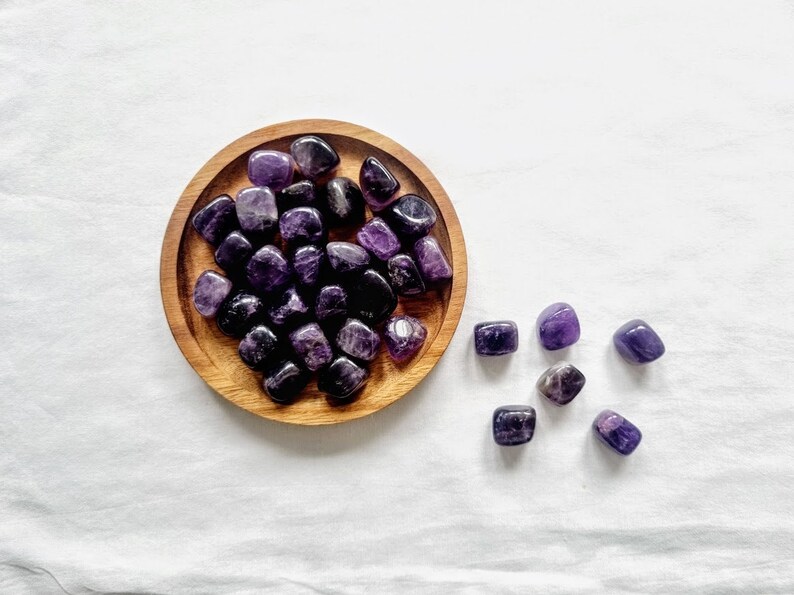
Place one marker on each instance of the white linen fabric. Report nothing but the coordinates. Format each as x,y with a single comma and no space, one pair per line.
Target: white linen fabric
634,159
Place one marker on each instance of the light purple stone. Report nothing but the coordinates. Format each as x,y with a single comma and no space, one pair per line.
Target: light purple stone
638,343
302,225
312,347
377,183
273,169
314,156
216,220
346,258
558,326
377,237
358,340
290,306
617,432
431,259
404,336
307,263
267,270
209,292
331,302
257,211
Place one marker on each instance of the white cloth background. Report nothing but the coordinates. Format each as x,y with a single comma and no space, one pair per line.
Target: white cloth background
633,158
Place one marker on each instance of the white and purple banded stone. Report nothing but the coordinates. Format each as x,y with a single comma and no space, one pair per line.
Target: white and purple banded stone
404,336
311,345
257,212
617,432
377,237
273,169
209,293
431,259
561,383
358,340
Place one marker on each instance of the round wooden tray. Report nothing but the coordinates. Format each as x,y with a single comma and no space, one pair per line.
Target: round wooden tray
214,356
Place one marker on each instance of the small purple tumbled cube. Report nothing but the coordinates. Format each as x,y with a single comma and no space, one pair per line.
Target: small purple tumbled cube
314,156
307,263
513,425
287,308
257,212
217,220
312,347
302,225
638,343
273,169
561,383
558,326
234,252
358,340
267,270
331,302
617,432
377,184
431,259
209,293
495,338
377,237
404,336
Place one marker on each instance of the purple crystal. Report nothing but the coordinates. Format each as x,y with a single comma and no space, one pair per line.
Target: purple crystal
617,432
412,216
239,314
377,184
371,297
312,347
513,425
314,156
331,302
342,378
404,336
273,169
302,225
217,220
234,252
495,338
377,237
287,308
638,343
299,194
344,200
285,381
558,326
358,340
404,275
268,270
346,258
209,292
257,212
561,383
431,259
307,263
259,344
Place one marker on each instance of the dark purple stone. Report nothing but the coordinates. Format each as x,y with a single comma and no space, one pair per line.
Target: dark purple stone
558,326
377,237
307,264
358,340
210,291
404,275
617,432
299,194
258,345
377,184
638,343
344,201
239,314
288,308
302,225
412,216
234,252
371,297
561,383
346,258
331,302
342,378
495,338
257,212
273,169
404,336
513,425
314,156
285,381
217,220
268,271
431,260
312,347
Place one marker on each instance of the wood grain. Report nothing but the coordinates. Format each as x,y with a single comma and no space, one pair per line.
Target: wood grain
214,356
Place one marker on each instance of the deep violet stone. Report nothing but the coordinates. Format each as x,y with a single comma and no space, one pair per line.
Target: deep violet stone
358,340
561,383
371,297
404,275
345,203
378,185
558,326
285,381
342,378
299,194
234,252
495,338
273,169
346,258
377,237
513,424
431,260
210,291
311,345
638,343
617,432
307,264
217,220
315,157
331,302
257,212
267,270
302,225
239,314
404,336
412,216
259,344
288,308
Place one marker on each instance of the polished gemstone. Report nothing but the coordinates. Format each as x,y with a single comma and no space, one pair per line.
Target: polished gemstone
299,194
314,156
285,381
495,338
558,326
331,302
258,345
307,264
239,314
617,432
377,184
287,308
345,202
342,378
371,297
513,425
257,212
358,340
377,237
404,276
346,258
431,259
412,216
302,225
638,343
268,270
217,220
234,252
312,347
561,383
273,169
209,292
404,336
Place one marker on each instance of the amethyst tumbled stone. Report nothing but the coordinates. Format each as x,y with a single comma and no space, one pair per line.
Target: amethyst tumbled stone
358,340
259,344
346,258
285,381
257,212
273,169
302,225
344,201
314,156
312,347
558,326
342,378
268,271
371,297
412,216
288,308
431,259
561,383
307,264
234,252
638,343
404,336
377,237
404,275
331,302
495,338
617,432
217,220
209,292
377,184
239,314
299,194
513,425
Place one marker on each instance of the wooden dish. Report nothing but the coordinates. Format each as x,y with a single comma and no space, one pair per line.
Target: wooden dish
214,356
